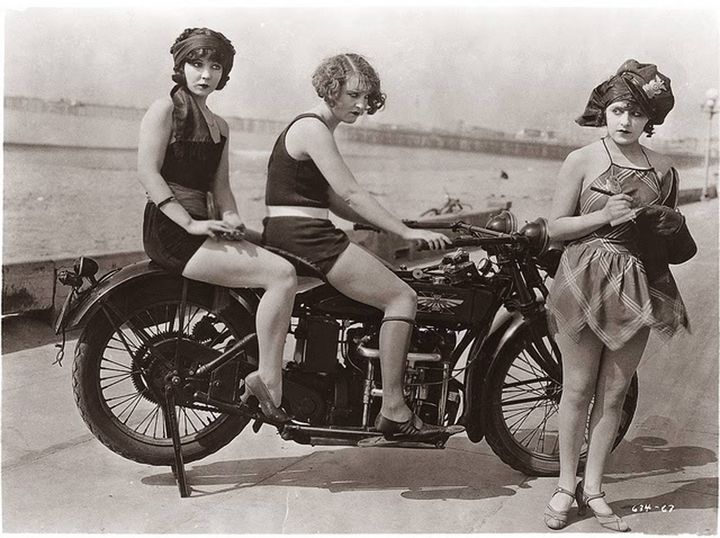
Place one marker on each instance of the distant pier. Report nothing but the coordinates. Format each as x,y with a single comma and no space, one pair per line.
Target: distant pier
492,143
428,139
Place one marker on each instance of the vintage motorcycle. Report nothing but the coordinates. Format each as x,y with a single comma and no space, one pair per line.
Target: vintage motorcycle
160,362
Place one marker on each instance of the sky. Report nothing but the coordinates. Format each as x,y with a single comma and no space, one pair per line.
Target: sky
503,68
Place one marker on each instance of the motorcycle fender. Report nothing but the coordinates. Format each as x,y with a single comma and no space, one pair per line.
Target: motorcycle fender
504,327
133,275
88,303
513,324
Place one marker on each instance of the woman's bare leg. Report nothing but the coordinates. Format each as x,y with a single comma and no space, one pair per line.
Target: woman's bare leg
580,362
361,276
614,376
243,264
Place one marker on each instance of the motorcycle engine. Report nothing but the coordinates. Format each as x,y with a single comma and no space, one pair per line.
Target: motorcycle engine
427,373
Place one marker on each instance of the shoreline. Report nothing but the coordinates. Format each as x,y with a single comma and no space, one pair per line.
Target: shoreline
62,201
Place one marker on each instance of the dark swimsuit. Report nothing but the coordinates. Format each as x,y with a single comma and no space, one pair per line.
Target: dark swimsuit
300,183
189,168
601,282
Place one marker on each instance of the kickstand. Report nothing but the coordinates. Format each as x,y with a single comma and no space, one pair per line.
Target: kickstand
171,424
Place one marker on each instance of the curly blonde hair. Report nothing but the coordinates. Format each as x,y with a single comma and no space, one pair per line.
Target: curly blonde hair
333,73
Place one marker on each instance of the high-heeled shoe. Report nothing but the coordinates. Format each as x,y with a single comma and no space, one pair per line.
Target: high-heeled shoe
557,519
256,387
610,521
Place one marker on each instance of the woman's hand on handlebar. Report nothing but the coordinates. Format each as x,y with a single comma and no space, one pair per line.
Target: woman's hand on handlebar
233,220
211,228
434,240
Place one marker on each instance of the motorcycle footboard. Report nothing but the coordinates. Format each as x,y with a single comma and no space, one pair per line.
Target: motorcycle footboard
309,435
431,441
313,435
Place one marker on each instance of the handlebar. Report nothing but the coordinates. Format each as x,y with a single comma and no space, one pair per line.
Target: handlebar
478,236
532,239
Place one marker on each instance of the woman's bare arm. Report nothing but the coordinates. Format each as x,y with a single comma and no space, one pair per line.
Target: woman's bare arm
313,139
343,210
155,130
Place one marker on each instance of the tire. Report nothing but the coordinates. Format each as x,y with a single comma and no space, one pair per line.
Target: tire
522,404
117,380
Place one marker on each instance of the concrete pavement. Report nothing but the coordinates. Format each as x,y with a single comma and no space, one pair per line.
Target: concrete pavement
662,478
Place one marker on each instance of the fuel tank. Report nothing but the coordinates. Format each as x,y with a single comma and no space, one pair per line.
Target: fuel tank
441,305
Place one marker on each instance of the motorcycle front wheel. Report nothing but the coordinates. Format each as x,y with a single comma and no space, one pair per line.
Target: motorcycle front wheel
522,401
118,378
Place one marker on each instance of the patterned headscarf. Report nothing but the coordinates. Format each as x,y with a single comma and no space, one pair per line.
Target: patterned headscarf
204,39
189,123
640,83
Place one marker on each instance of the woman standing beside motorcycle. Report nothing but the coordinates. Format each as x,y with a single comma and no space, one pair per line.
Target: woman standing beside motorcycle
603,303
183,156
307,176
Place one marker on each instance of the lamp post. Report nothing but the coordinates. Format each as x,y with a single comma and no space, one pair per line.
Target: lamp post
710,106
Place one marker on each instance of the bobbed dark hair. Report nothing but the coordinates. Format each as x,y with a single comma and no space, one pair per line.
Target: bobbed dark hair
333,73
219,50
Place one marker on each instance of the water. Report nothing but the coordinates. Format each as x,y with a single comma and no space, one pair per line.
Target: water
64,202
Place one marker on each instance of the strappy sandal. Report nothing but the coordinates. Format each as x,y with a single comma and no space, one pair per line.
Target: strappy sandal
556,519
412,428
610,521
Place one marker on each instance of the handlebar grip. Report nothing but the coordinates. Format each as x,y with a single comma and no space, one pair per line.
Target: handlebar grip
416,224
466,242
422,245
419,225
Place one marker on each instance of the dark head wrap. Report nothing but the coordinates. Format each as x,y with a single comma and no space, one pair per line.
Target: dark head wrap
641,83
202,38
190,123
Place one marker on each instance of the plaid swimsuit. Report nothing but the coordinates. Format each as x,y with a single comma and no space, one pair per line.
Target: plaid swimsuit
601,282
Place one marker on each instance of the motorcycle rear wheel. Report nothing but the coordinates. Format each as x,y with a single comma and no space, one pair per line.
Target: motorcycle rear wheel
117,382
522,406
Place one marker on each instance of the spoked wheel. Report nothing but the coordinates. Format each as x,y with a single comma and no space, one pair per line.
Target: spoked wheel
125,355
523,398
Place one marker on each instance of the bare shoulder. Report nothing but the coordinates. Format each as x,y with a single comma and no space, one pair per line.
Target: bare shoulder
585,157
662,163
591,150
164,104
308,136
161,109
310,126
577,156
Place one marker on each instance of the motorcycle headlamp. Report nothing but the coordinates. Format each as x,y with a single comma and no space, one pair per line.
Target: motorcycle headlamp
536,232
504,222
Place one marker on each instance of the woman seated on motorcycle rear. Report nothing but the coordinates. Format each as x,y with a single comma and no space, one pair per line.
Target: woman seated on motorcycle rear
183,156
604,299
307,176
